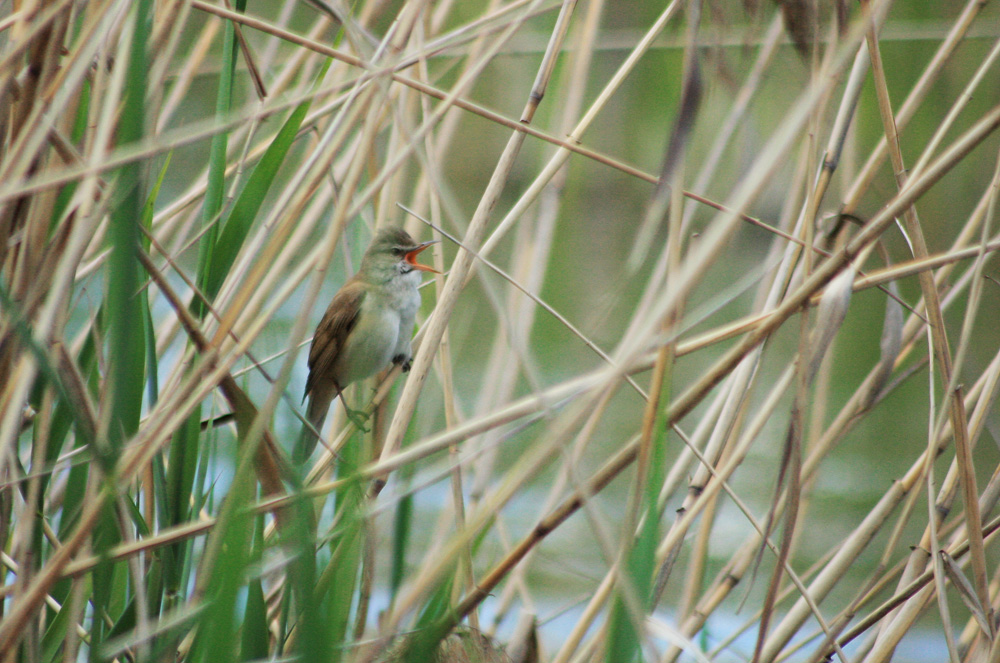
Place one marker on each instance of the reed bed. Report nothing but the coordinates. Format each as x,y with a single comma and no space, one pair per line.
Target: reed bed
709,373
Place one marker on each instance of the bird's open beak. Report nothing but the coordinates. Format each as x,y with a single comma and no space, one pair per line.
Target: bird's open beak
411,257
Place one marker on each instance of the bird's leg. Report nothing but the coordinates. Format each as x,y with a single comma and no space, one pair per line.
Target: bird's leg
403,361
357,417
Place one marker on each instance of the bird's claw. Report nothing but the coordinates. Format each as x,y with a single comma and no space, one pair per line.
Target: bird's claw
404,362
358,418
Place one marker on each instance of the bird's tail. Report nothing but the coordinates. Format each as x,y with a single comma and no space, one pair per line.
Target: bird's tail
316,414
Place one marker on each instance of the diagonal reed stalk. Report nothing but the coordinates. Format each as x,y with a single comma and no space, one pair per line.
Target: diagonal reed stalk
183,185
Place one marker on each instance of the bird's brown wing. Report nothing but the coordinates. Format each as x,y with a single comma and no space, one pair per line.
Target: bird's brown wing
337,322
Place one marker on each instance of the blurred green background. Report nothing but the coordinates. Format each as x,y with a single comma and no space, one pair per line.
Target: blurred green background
601,211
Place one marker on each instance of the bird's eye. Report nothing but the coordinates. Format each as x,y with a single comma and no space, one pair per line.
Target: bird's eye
397,252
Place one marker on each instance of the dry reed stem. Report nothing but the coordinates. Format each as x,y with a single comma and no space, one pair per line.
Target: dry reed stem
463,261
360,162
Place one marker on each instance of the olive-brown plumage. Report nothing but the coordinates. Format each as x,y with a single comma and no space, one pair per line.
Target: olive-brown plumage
367,326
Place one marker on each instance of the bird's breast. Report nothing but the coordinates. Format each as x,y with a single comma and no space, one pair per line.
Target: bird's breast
402,295
370,344
385,322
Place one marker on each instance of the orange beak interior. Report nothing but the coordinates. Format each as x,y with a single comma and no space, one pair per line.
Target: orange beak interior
411,257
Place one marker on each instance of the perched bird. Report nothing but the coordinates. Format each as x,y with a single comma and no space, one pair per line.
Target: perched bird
368,324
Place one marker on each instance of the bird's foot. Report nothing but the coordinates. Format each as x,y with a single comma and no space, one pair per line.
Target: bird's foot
403,361
358,418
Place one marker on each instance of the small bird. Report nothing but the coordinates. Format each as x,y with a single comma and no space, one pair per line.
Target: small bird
368,324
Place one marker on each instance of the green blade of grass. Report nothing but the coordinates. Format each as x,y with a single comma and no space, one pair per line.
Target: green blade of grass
152,377
126,347
435,622
237,224
183,465
184,447
320,634
126,343
331,632
223,569
624,637
254,638
55,634
402,525
154,580
181,469
215,190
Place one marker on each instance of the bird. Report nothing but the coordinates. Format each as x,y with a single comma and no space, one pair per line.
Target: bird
368,325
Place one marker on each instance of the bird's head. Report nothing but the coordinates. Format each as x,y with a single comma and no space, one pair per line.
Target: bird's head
393,252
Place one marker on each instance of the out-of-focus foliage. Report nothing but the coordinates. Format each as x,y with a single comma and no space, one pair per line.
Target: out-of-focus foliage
710,270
